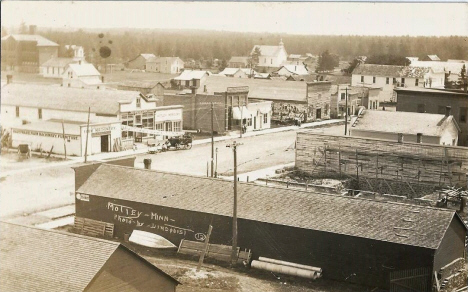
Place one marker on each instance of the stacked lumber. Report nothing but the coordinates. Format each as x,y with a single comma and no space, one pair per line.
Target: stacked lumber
92,227
215,251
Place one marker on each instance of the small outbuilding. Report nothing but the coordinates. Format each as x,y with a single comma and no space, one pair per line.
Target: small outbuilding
354,240
35,259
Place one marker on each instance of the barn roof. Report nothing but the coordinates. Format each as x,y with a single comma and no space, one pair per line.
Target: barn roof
41,41
34,259
404,122
382,221
65,98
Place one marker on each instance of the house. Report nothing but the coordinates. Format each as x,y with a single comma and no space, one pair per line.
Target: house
55,67
230,106
451,69
430,58
238,72
238,62
34,114
336,228
36,259
295,59
318,99
435,101
82,75
155,88
190,79
411,127
139,62
389,76
167,65
290,70
26,52
271,57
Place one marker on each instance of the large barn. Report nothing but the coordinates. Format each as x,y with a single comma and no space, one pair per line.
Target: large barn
351,239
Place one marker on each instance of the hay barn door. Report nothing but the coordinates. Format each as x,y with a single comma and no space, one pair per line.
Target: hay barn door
417,280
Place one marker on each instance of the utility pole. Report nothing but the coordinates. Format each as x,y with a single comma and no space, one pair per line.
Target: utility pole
212,140
87,134
234,211
242,118
346,112
216,167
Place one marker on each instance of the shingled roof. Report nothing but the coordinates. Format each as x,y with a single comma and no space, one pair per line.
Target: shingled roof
35,259
41,41
382,221
65,98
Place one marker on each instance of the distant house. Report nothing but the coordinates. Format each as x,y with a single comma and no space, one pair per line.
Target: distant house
189,79
271,57
430,58
413,127
167,65
238,72
139,62
289,70
26,52
238,62
450,68
54,67
36,259
155,88
82,76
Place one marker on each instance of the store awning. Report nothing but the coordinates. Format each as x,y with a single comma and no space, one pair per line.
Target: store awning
240,113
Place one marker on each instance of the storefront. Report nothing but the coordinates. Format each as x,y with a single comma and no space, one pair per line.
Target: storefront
254,116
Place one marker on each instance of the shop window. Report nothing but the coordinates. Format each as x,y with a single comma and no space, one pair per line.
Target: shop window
159,126
137,119
416,82
39,113
169,126
265,118
148,123
17,112
177,127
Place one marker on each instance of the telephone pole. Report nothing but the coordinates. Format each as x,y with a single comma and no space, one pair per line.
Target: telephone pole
346,112
87,134
234,211
212,139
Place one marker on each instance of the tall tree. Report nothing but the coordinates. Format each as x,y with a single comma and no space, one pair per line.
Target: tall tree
254,59
327,62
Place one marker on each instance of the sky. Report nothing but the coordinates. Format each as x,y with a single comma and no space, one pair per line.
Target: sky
319,18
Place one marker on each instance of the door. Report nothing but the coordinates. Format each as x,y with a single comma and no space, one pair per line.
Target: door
318,113
105,143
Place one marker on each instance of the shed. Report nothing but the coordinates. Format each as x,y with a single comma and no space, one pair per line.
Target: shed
351,239
34,259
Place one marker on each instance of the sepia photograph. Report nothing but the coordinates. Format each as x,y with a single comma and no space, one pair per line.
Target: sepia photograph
240,146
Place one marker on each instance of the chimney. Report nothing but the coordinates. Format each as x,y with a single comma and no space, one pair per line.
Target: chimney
447,111
9,78
32,29
400,137
419,137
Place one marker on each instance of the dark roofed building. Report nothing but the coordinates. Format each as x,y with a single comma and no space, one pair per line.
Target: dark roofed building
326,231
145,87
238,62
34,259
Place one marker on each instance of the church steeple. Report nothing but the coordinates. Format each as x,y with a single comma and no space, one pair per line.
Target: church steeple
281,42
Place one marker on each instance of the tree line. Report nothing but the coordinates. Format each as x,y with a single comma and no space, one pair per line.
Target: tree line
126,44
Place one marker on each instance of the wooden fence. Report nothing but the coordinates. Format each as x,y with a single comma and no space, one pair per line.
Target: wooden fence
373,164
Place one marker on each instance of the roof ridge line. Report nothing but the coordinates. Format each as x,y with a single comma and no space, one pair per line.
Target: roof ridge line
274,187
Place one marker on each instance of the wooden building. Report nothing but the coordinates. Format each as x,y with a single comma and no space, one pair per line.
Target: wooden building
139,62
155,88
351,239
35,259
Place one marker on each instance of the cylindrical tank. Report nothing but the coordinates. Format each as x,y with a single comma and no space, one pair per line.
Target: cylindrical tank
287,270
278,262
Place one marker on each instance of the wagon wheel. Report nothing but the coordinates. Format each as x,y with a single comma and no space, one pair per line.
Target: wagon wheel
177,146
188,146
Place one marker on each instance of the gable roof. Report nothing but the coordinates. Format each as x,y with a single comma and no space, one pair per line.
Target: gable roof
295,69
58,62
433,57
356,217
404,122
391,70
147,56
271,51
191,74
84,69
141,84
229,71
66,98
239,59
41,41
35,259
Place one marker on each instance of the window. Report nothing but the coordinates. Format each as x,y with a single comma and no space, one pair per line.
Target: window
416,82
169,126
402,81
421,108
53,70
343,96
159,126
362,78
373,79
17,111
463,113
147,122
127,119
177,127
387,80
138,102
187,83
137,119
39,113
265,118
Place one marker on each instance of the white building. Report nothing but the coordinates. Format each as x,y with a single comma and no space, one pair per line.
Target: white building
389,77
167,65
451,67
34,115
271,56
291,70
82,75
55,67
